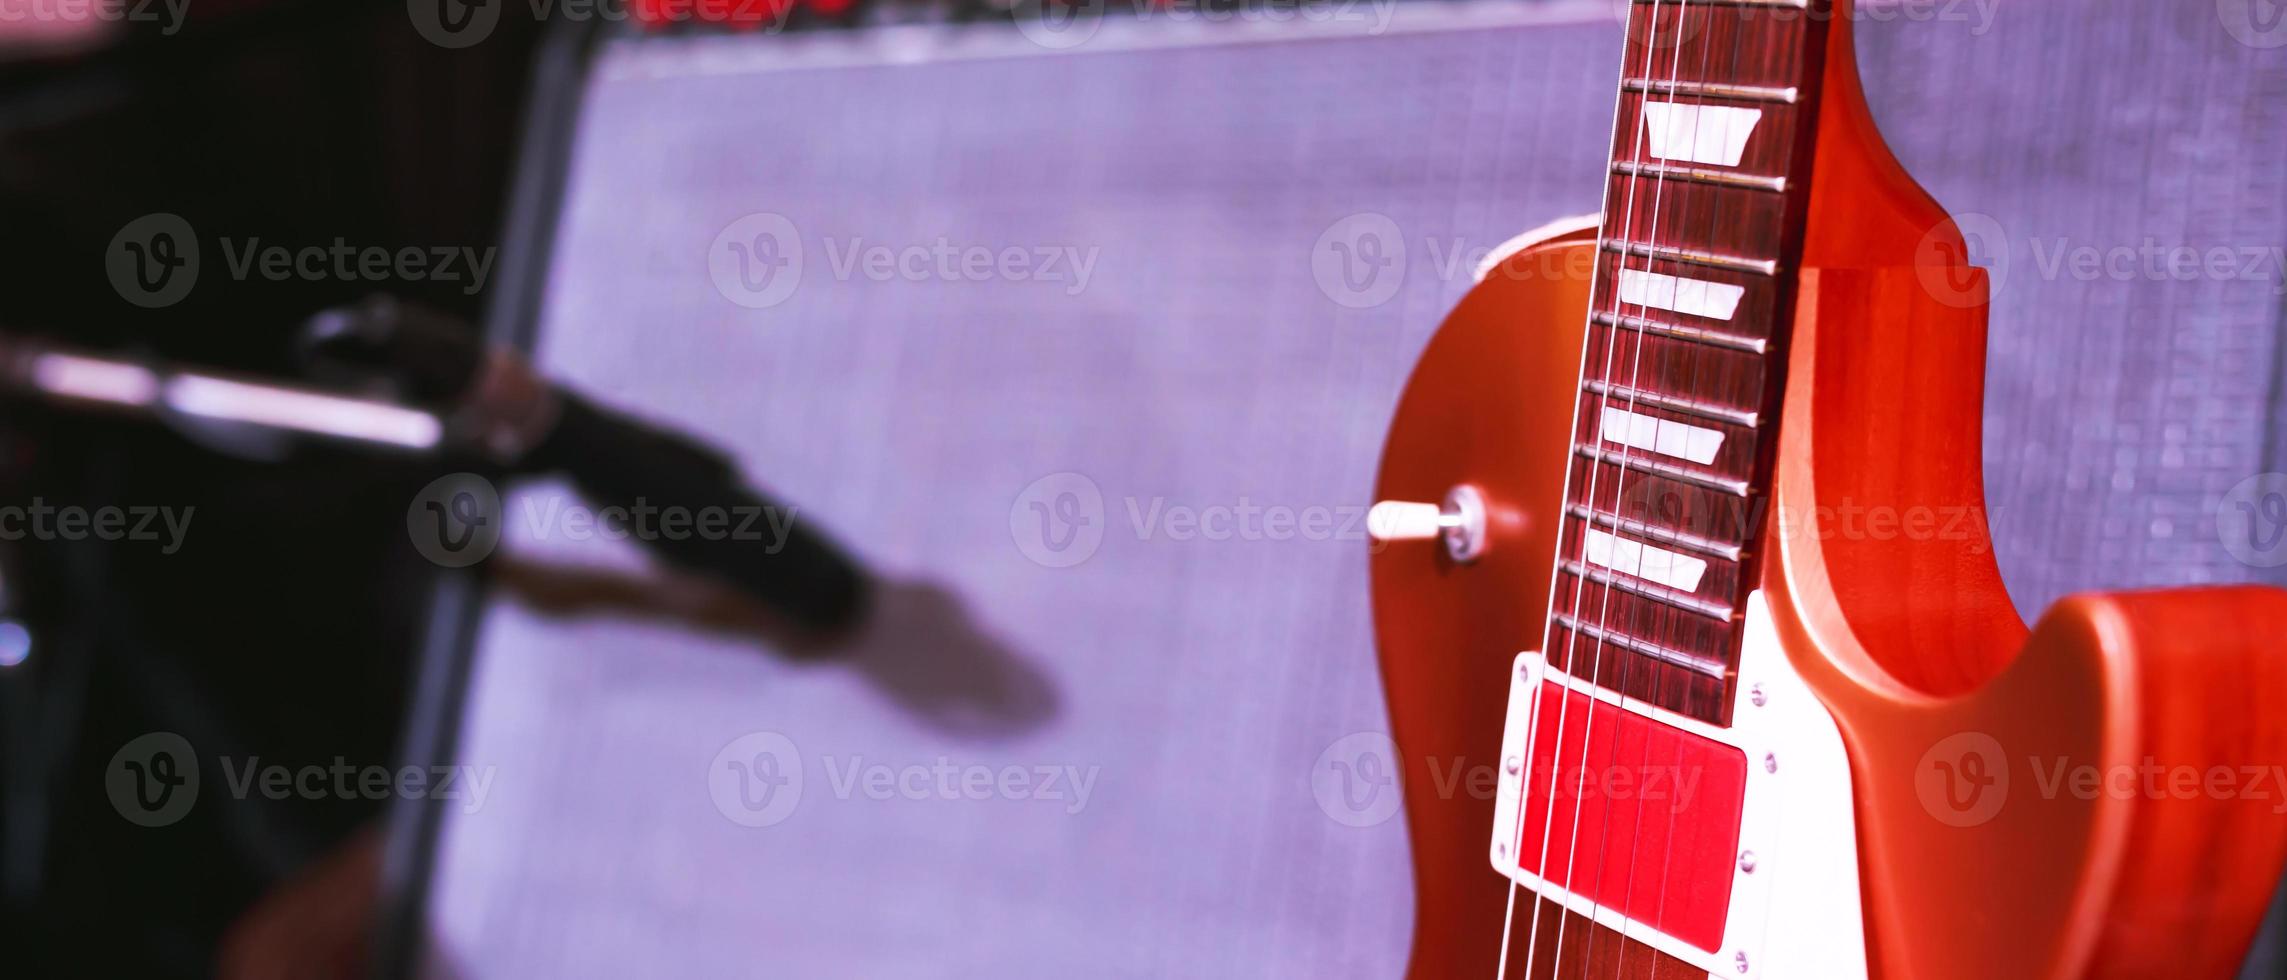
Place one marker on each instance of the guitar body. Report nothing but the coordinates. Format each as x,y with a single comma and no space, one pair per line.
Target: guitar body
1927,788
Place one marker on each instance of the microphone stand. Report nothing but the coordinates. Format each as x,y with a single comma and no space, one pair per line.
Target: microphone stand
615,460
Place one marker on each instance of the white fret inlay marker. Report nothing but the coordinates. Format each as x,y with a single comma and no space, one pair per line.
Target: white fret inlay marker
1699,133
1714,300
1661,436
1679,572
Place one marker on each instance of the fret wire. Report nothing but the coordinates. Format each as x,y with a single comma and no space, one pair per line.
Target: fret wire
1653,467
1708,547
1687,406
1675,331
1713,90
1666,655
1664,649
1692,256
1699,175
1765,63
1571,620
1667,597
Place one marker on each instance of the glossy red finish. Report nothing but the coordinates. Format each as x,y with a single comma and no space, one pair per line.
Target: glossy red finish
1910,641
1490,404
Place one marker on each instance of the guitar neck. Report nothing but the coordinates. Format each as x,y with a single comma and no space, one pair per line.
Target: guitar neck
1683,369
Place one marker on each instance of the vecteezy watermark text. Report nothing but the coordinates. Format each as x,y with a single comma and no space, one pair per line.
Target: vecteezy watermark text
155,779
1059,520
759,779
550,515
947,261
344,780
251,259
1358,781
42,521
1972,239
759,261
168,14
457,520
1244,519
2156,261
155,260
1966,779
2153,780
946,780
1361,260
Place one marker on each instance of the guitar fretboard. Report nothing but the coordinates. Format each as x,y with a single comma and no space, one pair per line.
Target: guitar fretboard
1680,381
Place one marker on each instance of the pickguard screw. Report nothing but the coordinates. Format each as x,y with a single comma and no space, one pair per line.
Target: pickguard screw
1741,960
1756,695
1770,762
1747,862
1501,849
1515,765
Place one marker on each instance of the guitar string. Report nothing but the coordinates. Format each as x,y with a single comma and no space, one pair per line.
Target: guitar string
1516,71
1572,885
1700,357
1663,621
1508,913
1572,637
1572,872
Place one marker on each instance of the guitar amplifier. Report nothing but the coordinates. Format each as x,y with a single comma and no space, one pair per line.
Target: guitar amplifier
1085,335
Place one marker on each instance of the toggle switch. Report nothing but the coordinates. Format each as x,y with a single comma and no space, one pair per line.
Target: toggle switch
1459,522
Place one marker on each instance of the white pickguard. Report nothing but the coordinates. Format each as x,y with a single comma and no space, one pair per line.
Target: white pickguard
1796,915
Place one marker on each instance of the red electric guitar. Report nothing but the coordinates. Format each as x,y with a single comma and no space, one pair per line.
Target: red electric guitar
1682,532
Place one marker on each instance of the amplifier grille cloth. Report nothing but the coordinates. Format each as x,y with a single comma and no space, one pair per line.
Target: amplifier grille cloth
1203,366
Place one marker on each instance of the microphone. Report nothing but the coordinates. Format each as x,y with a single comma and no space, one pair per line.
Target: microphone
456,395
493,400
618,462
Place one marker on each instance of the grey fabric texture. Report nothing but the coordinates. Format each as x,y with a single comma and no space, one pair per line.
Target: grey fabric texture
1056,474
